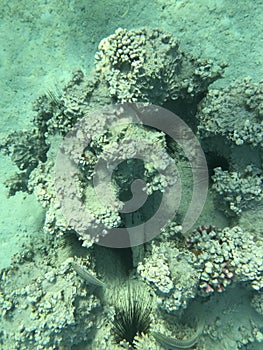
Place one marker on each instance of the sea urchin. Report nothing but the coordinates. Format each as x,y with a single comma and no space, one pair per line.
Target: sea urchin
132,315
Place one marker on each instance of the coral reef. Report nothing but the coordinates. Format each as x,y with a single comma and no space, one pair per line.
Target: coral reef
230,126
169,272
257,302
51,298
146,65
57,112
238,190
26,148
226,256
234,112
136,65
211,260
45,305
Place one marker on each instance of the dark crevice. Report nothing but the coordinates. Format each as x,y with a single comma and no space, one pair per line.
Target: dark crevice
113,263
186,110
214,160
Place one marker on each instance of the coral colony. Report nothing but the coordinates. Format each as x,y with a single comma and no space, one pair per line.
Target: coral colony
65,300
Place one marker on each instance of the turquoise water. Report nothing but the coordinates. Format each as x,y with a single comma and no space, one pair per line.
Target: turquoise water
198,283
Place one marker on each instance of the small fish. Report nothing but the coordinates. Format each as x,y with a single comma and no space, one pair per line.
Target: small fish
86,275
177,344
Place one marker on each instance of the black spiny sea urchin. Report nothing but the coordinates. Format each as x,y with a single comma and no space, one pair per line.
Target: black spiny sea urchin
133,314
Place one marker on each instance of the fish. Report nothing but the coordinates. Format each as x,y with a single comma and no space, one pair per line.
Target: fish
86,275
177,344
